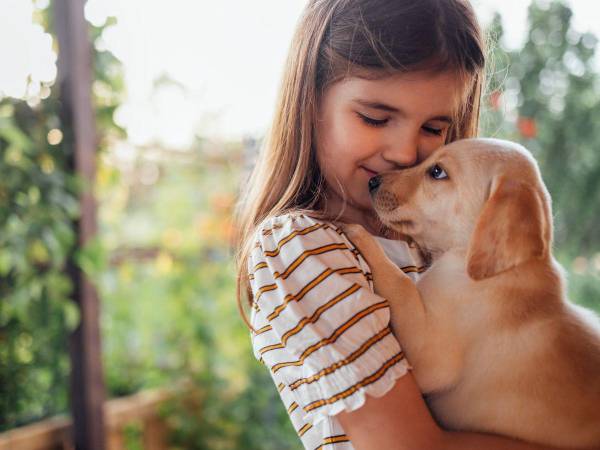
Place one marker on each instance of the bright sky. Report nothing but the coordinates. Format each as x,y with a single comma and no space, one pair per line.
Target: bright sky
227,57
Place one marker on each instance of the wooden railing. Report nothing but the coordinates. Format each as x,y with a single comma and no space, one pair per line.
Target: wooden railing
56,433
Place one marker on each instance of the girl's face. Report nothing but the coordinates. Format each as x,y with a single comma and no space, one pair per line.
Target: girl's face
369,126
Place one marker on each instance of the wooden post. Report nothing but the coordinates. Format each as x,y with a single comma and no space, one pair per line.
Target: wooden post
155,433
87,392
115,439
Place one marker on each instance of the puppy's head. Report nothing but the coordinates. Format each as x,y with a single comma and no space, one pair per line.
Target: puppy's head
482,195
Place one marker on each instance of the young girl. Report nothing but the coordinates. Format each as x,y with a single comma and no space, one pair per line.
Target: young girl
369,86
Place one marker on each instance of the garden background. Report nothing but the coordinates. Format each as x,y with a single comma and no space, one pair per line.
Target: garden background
162,260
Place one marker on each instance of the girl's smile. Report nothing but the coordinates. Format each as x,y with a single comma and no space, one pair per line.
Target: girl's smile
371,173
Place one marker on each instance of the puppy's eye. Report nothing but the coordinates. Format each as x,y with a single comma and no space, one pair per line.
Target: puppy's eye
437,173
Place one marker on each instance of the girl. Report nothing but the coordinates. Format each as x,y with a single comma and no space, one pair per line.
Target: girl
369,86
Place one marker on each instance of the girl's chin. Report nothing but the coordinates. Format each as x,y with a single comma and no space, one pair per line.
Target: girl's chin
365,203
356,202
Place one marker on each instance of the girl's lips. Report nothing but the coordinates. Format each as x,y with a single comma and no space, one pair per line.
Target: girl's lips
370,172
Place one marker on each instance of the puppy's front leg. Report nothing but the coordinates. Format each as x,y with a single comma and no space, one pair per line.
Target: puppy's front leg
422,337
408,315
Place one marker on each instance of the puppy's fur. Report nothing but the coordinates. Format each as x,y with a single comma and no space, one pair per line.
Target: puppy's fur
495,344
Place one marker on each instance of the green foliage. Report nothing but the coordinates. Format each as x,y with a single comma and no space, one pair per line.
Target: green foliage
559,89
168,260
37,206
169,310
550,91
38,209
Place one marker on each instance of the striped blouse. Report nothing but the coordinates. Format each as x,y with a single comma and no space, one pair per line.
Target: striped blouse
321,331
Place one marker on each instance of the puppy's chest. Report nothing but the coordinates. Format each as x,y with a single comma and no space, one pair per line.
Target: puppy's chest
451,295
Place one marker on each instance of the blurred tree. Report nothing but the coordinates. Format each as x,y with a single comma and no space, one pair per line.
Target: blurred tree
559,111
547,97
558,107
38,204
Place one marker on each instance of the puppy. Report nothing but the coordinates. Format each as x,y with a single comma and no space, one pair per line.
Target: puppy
495,345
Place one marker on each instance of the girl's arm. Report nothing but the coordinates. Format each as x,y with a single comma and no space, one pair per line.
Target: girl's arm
400,420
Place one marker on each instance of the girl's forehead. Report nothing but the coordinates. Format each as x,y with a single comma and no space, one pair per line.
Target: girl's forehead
420,90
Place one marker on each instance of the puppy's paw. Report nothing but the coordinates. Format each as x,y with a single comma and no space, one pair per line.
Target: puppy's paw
356,233
362,240
353,229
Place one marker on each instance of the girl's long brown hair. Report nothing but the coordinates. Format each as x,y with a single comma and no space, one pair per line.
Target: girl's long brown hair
335,39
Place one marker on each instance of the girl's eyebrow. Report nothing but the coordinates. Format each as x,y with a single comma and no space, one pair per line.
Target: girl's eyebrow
388,108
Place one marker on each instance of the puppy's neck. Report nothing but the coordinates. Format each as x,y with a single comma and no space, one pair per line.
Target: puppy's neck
428,255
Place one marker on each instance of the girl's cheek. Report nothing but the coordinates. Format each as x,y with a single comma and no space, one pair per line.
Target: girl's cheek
365,141
355,131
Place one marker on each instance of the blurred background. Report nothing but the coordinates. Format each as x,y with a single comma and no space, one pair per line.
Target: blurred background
183,92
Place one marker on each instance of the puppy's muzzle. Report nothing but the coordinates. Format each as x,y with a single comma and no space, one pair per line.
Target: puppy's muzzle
383,200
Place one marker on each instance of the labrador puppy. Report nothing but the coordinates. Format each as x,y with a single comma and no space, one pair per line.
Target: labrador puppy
494,342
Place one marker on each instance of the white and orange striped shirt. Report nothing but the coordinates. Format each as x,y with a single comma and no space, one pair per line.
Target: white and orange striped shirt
321,331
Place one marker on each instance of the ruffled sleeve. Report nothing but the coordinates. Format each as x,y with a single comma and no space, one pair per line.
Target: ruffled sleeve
320,328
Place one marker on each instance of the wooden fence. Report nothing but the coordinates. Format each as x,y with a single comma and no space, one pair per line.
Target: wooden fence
56,433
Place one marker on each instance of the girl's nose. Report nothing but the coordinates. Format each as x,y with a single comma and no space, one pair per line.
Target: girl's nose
403,152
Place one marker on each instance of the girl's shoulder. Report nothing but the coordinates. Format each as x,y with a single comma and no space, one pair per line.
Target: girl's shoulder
300,234
291,219
292,224
297,238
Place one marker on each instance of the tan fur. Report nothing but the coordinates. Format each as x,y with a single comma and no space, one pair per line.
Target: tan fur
494,342
502,239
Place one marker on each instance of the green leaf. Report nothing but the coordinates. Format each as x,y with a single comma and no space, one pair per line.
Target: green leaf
92,257
37,252
6,262
71,314
14,135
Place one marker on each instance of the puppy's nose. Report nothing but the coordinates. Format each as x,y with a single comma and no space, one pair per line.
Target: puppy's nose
374,183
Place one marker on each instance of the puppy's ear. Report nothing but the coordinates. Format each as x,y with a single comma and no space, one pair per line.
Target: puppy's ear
511,230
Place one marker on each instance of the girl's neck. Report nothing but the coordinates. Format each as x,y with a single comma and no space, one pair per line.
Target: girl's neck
352,214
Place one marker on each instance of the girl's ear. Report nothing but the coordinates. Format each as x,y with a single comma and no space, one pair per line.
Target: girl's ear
511,229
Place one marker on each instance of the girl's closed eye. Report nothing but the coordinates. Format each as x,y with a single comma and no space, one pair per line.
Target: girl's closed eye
433,130
372,122
381,122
